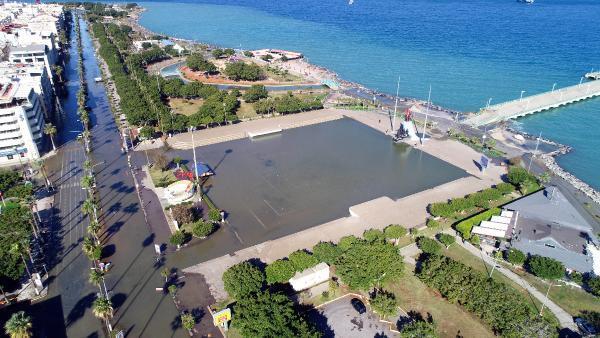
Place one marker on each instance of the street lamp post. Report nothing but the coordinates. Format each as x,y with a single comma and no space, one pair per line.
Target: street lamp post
522,92
553,86
537,144
488,104
194,152
426,115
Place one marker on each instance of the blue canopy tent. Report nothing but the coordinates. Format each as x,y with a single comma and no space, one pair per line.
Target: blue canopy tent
204,170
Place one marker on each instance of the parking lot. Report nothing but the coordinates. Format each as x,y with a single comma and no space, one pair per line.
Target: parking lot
340,319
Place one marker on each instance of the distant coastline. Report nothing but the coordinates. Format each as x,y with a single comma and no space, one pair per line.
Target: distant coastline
548,159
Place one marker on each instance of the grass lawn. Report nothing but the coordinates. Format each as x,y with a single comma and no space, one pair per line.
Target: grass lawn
450,319
246,110
571,299
186,107
280,75
162,178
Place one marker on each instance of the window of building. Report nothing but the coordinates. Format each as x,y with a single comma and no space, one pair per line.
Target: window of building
10,157
28,60
22,154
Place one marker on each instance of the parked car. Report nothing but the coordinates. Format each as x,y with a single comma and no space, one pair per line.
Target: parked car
358,305
586,328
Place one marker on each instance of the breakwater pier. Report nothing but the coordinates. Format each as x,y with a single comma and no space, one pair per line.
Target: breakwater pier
535,103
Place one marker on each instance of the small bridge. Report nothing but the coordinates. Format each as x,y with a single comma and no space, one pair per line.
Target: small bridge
535,103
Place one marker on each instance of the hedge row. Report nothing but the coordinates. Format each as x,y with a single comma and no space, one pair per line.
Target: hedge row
479,199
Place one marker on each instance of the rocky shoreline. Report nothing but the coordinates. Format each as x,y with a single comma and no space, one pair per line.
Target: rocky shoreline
548,159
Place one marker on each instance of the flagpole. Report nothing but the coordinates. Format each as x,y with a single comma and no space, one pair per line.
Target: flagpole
396,105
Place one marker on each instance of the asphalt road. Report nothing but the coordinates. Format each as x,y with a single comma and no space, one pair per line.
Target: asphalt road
140,310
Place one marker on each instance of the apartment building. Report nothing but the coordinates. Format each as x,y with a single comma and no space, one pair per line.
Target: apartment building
36,77
21,123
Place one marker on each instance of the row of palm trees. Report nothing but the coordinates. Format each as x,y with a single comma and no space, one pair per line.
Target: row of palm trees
92,246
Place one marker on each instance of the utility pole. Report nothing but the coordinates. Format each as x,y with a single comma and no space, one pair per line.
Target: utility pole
537,144
396,105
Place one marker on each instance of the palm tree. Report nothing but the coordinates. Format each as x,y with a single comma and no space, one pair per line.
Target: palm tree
102,308
18,326
96,277
17,249
88,207
91,249
93,229
165,273
177,160
50,130
87,182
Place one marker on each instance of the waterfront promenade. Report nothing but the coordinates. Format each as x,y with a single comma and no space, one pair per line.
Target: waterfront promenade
535,103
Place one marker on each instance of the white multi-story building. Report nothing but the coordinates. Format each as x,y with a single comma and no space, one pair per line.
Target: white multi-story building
36,77
35,54
21,123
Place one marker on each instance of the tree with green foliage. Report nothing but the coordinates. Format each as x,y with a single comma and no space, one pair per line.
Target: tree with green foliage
218,53
240,71
302,260
15,228
347,242
243,279
384,303
428,245
366,264
372,235
394,232
188,321
518,175
545,267
177,238
202,229
593,284
502,307
196,62
96,277
326,252
446,239
267,314
248,54
146,132
255,93
280,271
9,178
419,328
214,215
18,326
102,308
50,130
515,256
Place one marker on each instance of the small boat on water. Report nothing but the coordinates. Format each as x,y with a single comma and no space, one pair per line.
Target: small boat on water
529,2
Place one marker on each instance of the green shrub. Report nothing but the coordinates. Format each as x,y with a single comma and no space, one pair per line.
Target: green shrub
545,267
346,242
280,271
326,252
177,238
518,175
428,245
384,303
515,256
446,239
505,188
593,284
372,235
243,279
202,229
394,231
302,260
214,215
432,223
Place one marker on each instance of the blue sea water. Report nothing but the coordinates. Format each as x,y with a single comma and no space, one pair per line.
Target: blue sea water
468,50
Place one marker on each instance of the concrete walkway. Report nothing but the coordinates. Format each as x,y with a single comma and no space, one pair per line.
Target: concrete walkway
565,319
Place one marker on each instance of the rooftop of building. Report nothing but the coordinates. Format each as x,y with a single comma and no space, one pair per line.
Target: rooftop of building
34,48
550,204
